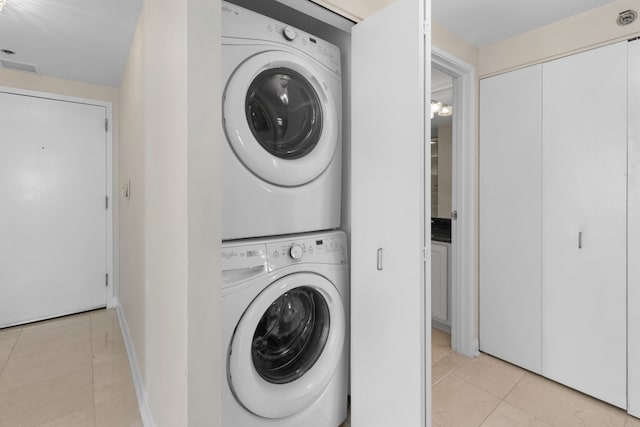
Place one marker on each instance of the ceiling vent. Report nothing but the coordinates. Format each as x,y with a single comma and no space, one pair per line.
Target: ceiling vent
627,17
18,66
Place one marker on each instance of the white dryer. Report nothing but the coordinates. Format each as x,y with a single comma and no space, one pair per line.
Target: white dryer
282,120
285,331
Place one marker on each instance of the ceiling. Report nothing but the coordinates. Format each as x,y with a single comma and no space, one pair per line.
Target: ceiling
88,40
85,40
484,22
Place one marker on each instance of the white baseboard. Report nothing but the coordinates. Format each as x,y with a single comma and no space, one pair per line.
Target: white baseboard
475,348
141,393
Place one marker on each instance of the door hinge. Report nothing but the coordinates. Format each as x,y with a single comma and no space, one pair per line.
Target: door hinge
454,215
106,279
106,125
425,254
426,28
106,202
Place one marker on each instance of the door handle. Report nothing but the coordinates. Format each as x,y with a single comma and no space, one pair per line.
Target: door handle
579,239
379,259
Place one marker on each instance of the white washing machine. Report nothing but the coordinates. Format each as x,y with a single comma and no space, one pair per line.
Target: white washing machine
282,120
285,331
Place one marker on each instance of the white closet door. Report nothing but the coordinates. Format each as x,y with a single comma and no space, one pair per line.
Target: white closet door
390,377
634,230
53,217
584,158
510,235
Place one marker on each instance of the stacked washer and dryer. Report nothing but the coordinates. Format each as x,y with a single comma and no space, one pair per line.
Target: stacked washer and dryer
285,272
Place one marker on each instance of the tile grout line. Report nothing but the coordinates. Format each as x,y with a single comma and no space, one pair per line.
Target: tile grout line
11,352
503,400
515,385
523,409
451,372
93,374
490,413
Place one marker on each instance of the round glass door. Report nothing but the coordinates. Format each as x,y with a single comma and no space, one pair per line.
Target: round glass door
284,113
281,119
287,345
291,335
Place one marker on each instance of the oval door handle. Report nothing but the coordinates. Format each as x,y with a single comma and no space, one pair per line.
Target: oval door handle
379,259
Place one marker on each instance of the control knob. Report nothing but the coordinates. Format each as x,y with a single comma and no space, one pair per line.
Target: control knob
295,251
289,33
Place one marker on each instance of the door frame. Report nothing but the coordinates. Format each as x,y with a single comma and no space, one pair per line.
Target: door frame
463,250
111,299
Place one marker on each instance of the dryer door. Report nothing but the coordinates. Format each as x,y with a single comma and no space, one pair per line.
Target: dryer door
287,345
280,118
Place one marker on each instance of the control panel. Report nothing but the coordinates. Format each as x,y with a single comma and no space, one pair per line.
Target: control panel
241,23
329,249
272,254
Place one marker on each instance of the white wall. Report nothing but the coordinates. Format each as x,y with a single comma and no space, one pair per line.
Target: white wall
445,141
205,373
170,284
587,30
131,293
356,10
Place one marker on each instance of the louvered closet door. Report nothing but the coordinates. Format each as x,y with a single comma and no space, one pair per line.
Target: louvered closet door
584,164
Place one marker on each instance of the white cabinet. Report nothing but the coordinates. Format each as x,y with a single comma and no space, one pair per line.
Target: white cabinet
440,283
634,231
584,146
510,268
553,220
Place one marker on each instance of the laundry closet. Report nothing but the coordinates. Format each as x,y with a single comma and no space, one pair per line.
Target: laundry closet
560,220
385,131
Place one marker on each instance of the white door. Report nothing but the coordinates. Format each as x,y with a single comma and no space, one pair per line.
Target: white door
584,216
53,221
390,308
510,222
634,230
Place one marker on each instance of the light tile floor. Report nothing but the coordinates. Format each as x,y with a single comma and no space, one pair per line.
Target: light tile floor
74,372
488,392
67,372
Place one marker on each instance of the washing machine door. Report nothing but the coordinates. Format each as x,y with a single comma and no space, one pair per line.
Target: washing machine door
287,345
280,118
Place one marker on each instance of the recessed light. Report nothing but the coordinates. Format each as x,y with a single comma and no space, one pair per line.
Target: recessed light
7,51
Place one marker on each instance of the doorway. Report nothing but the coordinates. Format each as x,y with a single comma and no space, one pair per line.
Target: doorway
453,150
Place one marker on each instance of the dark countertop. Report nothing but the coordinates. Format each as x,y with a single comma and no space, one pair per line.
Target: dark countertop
441,230
440,239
